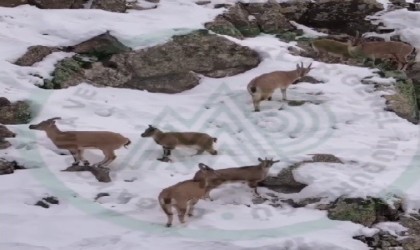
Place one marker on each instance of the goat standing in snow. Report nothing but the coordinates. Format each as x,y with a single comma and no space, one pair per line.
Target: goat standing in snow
77,141
170,140
262,87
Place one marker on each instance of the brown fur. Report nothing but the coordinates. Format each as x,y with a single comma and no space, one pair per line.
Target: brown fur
397,51
184,195
171,140
77,141
262,87
250,174
331,47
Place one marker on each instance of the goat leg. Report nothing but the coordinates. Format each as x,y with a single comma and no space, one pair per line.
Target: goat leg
76,157
254,186
166,154
283,93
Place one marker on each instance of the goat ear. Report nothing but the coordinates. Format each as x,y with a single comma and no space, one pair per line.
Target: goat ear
276,161
297,66
259,159
202,166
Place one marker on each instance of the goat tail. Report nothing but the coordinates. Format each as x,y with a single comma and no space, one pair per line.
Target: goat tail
165,204
252,88
214,139
127,143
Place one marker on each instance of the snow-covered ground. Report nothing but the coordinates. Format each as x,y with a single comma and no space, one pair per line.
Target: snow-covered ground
341,117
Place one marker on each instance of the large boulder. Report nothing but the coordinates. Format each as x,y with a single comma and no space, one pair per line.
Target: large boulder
364,211
35,54
57,4
14,113
166,68
102,46
110,5
345,16
269,17
5,133
249,20
8,167
12,3
222,26
294,9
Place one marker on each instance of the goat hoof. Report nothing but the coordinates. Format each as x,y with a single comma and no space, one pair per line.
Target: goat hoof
165,159
190,215
168,225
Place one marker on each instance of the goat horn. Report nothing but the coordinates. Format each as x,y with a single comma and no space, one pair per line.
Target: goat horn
54,118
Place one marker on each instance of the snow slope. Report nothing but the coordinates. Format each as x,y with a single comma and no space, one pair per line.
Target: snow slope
341,117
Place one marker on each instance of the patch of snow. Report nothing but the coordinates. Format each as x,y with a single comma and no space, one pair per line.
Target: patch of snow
308,32
406,24
392,228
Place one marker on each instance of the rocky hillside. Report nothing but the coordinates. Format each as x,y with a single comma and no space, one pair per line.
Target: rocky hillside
346,139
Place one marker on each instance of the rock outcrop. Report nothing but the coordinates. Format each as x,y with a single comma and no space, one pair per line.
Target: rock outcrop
12,3
58,4
344,16
8,167
168,68
110,5
35,54
249,20
14,113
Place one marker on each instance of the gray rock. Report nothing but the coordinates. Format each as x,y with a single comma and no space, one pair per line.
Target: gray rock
270,17
248,20
294,9
284,181
343,16
57,4
15,113
4,102
12,3
166,68
35,54
8,167
363,211
241,19
198,52
68,72
6,133
101,46
110,5
222,26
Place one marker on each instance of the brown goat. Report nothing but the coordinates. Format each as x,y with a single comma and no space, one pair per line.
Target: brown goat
250,174
398,51
331,47
184,195
77,141
170,140
262,87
